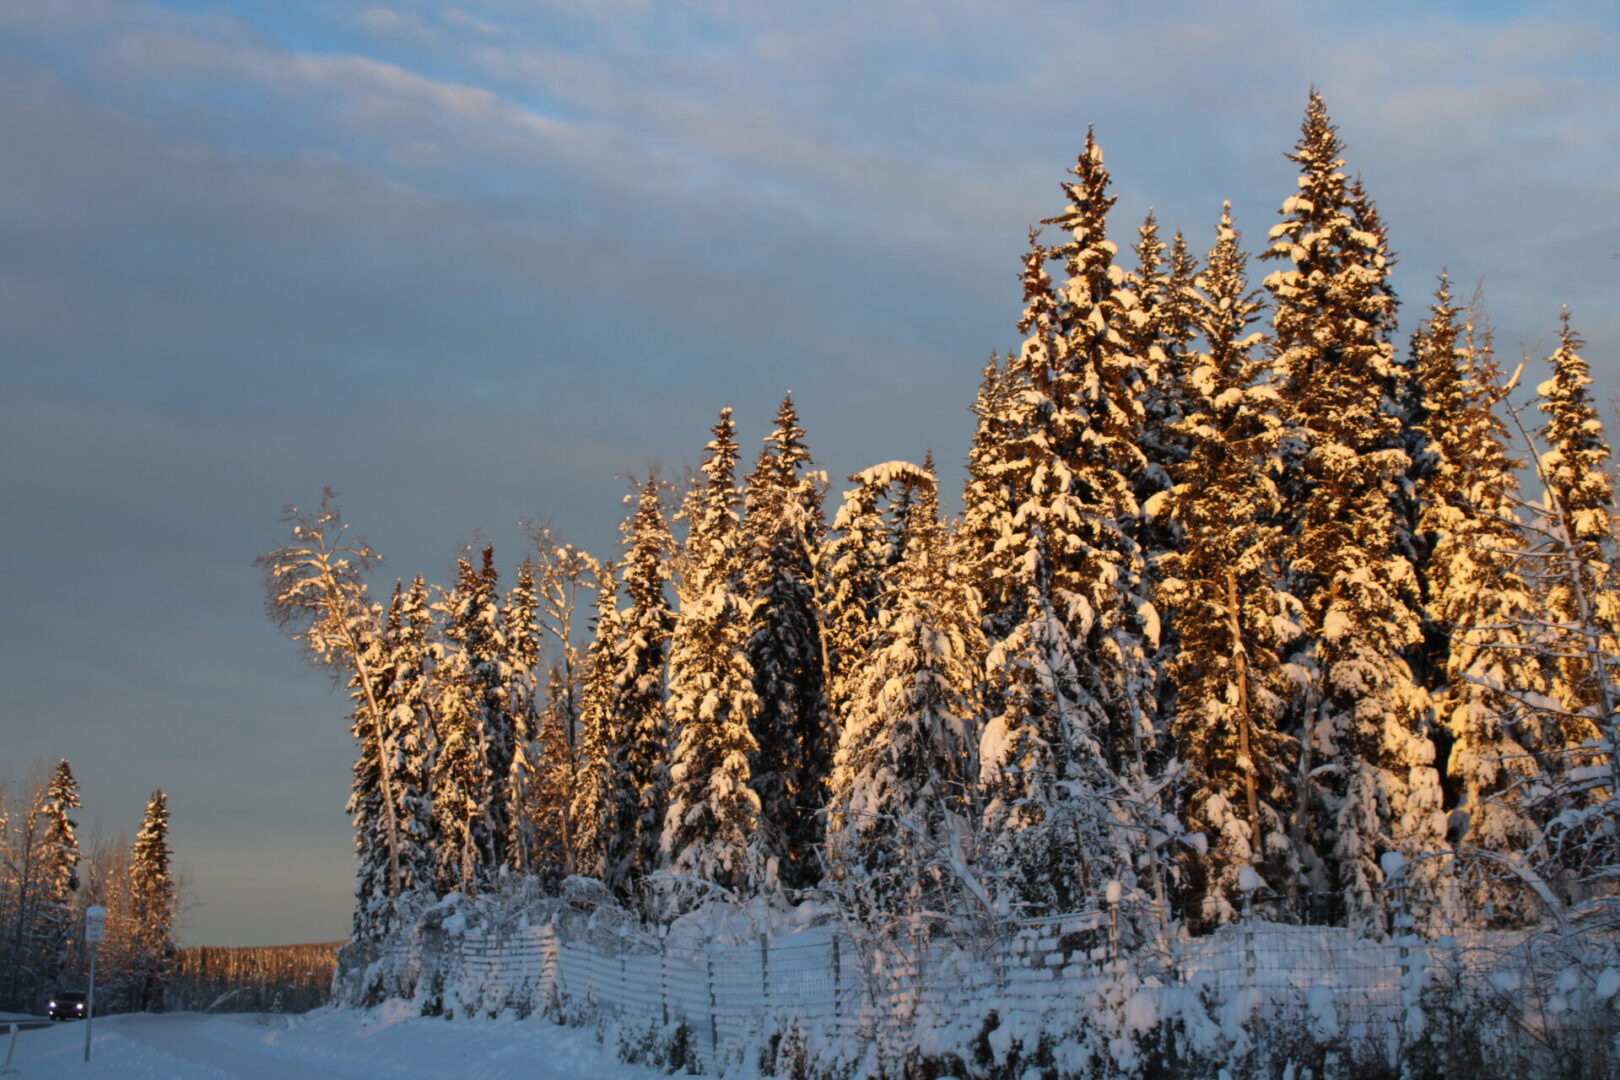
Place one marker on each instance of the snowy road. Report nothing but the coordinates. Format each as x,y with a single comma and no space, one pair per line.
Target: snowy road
380,1045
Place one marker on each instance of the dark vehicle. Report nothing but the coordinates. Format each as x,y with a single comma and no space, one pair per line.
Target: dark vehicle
68,1005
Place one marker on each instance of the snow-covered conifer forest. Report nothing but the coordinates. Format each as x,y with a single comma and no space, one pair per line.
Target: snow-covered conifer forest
48,879
1269,645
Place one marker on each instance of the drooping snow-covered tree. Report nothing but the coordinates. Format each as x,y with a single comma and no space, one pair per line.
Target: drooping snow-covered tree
153,904
1220,587
1369,776
900,800
314,586
564,575
796,739
712,833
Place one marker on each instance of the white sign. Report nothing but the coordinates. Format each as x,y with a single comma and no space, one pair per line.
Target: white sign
95,924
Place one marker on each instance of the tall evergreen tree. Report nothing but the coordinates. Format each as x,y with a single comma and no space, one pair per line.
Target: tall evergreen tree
1221,589
1066,758
1370,784
638,688
1578,639
796,740
900,796
1580,504
1157,327
60,862
853,567
410,730
463,859
1477,603
712,827
586,804
399,656
365,806
988,502
153,906
473,624
521,697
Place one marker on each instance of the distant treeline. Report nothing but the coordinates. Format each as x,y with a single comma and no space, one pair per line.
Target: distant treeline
267,978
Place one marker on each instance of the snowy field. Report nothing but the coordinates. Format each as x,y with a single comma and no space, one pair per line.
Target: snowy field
382,1044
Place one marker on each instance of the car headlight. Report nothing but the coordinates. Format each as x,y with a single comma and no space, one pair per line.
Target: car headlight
53,1004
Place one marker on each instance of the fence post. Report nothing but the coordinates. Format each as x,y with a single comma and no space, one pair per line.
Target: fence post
838,983
714,1030
1113,922
765,973
663,978
1248,881
1403,939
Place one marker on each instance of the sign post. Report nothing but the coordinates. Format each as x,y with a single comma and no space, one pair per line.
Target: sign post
95,929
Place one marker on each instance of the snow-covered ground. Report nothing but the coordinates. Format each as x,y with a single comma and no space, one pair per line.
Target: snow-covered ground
381,1044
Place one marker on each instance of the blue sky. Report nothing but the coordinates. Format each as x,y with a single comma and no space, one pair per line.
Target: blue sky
474,265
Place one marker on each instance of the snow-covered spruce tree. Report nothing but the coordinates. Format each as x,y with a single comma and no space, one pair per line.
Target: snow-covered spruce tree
988,502
59,861
365,807
400,657
1221,590
641,789
473,624
1368,777
585,804
314,587
522,699
782,530
153,905
1066,763
1574,554
1580,507
1477,603
410,732
463,859
854,565
1158,328
900,802
712,834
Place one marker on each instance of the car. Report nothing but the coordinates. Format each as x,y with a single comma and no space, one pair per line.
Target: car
68,1005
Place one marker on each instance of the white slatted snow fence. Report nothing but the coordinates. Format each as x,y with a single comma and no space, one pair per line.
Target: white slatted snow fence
874,1003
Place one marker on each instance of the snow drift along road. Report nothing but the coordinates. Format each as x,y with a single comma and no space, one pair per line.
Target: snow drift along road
382,1044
